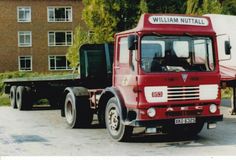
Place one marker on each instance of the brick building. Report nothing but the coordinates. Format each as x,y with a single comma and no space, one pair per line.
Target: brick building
35,34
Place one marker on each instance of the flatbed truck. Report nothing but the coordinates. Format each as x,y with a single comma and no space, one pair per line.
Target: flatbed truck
162,75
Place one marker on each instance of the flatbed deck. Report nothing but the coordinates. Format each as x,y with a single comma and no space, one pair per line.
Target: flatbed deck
44,78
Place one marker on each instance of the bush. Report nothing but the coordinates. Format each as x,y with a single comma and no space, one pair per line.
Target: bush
4,100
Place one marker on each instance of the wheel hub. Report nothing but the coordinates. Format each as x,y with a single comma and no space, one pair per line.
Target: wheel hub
113,120
69,114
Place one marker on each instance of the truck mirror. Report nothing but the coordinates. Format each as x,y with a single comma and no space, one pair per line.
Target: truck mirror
132,42
227,48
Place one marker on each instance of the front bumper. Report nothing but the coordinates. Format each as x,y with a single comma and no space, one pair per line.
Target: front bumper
162,122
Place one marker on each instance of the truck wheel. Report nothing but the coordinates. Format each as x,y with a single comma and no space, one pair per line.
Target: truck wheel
117,130
101,117
23,98
13,97
77,111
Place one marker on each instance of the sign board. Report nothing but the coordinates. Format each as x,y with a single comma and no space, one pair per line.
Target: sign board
178,20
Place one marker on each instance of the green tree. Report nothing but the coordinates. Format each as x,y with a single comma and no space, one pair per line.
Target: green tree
167,6
143,7
100,17
200,7
192,6
229,7
105,18
80,37
210,6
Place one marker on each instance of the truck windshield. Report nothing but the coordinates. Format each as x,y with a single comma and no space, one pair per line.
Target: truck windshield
177,54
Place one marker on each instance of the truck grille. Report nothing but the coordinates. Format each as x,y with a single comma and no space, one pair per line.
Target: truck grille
183,93
184,113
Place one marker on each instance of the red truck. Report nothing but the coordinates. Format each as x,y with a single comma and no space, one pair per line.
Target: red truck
164,77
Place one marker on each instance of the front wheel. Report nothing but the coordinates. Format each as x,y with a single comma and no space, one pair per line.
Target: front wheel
116,129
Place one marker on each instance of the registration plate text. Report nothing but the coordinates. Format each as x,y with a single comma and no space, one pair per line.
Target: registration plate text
185,120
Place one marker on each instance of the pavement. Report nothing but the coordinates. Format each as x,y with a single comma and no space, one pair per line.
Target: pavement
44,132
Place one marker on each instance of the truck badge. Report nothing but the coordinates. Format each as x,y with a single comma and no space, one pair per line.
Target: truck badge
184,77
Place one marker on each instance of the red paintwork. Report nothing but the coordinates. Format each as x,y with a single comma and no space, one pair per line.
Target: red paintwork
138,79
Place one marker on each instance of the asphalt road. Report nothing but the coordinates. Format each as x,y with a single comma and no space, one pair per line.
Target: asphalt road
44,132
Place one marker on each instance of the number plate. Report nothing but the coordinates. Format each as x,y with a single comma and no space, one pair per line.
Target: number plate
185,120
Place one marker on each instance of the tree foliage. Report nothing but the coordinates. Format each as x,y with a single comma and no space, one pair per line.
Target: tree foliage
80,37
200,7
167,6
100,17
105,18
229,7
143,7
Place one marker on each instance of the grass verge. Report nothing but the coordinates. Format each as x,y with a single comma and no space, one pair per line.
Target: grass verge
4,100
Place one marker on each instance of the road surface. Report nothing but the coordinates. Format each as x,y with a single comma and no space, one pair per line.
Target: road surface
44,132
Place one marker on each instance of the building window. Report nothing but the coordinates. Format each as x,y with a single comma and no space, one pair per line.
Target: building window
24,38
60,38
58,63
59,14
25,63
24,14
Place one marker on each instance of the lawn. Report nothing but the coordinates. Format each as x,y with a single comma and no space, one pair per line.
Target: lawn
4,100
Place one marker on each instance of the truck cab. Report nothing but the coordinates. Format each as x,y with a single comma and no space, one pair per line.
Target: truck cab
165,75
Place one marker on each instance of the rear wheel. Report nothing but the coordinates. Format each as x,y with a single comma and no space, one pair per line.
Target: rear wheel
13,97
77,111
117,130
24,97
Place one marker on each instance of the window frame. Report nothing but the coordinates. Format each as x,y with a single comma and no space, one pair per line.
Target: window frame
191,49
67,67
66,42
24,44
119,51
31,62
18,14
54,20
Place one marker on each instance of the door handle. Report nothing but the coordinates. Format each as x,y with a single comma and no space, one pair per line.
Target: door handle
117,67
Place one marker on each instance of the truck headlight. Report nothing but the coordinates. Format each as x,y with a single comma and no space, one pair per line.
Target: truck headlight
213,108
151,112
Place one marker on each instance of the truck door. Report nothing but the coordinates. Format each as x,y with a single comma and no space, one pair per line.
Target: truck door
125,72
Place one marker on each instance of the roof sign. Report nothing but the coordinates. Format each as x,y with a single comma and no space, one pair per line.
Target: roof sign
178,20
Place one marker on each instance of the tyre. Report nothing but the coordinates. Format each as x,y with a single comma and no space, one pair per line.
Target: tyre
13,97
77,111
24,99
101,117
116,129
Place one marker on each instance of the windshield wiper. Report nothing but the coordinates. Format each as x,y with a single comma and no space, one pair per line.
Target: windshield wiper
188,34
158,34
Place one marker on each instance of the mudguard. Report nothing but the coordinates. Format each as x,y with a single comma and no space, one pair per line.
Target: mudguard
114,92
77,91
